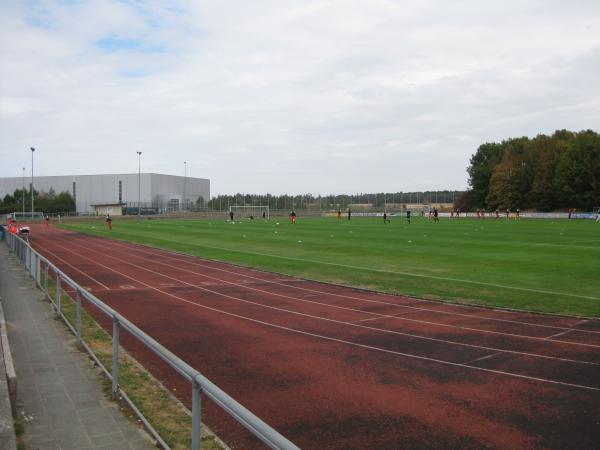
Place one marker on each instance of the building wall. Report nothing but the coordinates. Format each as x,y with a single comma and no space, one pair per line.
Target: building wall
102,189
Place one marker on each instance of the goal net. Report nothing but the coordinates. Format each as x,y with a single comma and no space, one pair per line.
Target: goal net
247,212
27,216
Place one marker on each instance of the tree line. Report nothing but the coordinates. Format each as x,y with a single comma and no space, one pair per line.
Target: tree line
545,173
327,202
48,202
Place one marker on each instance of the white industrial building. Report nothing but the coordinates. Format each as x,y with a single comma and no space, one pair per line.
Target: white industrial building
99,194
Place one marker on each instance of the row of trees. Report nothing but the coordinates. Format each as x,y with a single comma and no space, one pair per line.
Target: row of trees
544,173
48,202
327,202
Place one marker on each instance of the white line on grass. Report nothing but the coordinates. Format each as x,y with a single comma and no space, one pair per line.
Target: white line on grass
394,272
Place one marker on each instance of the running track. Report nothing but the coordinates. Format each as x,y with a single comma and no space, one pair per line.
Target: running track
334,367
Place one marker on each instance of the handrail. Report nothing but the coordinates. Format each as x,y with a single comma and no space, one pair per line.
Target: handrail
200,383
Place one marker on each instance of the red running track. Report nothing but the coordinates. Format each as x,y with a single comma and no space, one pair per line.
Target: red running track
334,367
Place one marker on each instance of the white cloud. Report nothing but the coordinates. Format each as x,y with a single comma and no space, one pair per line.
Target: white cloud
293,96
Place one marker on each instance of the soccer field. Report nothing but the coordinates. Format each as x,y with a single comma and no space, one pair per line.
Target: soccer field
539,265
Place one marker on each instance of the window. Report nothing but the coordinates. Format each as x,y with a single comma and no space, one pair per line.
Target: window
120,191
74,190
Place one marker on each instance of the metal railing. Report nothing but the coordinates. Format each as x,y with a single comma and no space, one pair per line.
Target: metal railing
33,262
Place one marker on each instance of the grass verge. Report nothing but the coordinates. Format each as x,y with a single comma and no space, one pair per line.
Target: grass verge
167,415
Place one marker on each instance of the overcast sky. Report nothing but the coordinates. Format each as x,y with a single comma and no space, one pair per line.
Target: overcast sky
326,96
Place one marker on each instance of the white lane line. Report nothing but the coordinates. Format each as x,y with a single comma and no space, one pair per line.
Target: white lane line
70,265
351,323
189,260
328,338
397,317
562,333
491,355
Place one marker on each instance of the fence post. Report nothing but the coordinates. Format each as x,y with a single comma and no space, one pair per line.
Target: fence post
115,359
57,306
78,322
36,269
46,279
196,410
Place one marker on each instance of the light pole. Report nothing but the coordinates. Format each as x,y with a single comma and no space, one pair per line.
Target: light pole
139,183
32,150
184,181
23,192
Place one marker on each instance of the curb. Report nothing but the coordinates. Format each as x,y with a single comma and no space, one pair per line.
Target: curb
11,374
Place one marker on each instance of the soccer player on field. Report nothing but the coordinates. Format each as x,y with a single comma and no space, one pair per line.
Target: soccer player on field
109,221
408,215
293,216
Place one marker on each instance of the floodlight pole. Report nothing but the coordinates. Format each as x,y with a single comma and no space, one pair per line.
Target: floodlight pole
139,184
32,150
184,181
23,192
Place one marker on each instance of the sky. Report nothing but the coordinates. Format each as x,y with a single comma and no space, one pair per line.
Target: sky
321,97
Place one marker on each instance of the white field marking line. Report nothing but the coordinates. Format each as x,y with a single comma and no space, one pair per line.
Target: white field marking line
554,327
408,274
352,324
491,355
567,244
71,265
369,347
558,334
288,286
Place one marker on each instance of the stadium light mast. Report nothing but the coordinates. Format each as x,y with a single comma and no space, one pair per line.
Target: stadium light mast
139,183
32,150
23,192
184,181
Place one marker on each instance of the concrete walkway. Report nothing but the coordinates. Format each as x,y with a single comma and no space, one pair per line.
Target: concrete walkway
60,399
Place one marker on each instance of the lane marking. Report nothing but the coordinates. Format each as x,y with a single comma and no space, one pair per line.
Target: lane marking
374,313
351,323
491,355
369,347
286,285
73,267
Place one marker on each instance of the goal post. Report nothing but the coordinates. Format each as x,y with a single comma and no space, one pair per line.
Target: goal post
246,211
20,216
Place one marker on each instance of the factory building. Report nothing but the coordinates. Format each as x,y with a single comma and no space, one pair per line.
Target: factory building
113,193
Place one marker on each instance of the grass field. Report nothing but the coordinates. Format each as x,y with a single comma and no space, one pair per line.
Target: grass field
539,265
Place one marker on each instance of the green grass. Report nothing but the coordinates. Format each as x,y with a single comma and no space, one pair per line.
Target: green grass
539,265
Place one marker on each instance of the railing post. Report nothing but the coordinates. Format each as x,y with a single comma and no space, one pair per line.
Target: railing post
36,269
115,359
46,279
196,413
57,306
78,320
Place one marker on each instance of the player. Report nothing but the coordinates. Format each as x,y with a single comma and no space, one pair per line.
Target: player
109,221
293,216
385,219
231,216
507,213
349,213
518,215
408,215
47,219
264,215
339,214
435,215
